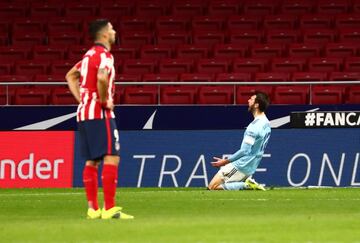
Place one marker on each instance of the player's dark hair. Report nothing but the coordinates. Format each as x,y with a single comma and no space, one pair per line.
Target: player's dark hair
96,26
263,100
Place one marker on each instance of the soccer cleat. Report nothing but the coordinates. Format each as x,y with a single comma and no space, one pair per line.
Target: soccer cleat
253,185
115,213
94,214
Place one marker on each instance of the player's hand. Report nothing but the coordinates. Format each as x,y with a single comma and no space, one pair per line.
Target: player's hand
109,104
219,162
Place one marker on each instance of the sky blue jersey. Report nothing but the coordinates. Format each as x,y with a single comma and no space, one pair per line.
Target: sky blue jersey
256,137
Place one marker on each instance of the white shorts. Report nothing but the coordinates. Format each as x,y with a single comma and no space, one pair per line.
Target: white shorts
229,173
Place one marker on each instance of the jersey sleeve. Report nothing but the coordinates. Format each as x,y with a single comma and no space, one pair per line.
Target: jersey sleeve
106,61
78,65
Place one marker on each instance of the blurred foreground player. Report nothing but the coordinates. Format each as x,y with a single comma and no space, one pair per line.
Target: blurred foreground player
91,81
235,172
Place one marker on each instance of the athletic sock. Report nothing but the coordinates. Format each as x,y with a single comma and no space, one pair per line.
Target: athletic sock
236,185
90,180
109,182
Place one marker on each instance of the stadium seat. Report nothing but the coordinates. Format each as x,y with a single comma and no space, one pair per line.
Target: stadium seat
346,21
28,39
329,94
176,66
31,67
294,95
332,7
224,8
196,77
351,35
49,78
14,53
6,96
62,96
233,77
244,22
123,52
156,51
356,6
110,9
160,77
230,51
45,9
288,36
259,7
304,50
316,21
353,95
136,38
212,23
139,66
31,96
288,64
297,7
325,64
192,51
6,67
64,24
178,95
267,50
309,76
4,26
135,23
172,37
11,11
76,52
272,76
244,92
48,53
216,95
126,77
212,66
352,64
280,21
64,38
188,8
245,37
340,50
14,78
320,36
208,37
4,39
250,65
147,95
62,66
27,25
79,9
151,9
171,23
344,76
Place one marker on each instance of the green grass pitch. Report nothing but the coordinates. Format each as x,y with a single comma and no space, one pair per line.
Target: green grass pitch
184,215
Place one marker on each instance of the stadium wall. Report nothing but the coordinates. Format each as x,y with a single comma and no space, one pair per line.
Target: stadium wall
180,158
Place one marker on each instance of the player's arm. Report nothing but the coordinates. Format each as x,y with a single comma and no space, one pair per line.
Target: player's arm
102,86
72,77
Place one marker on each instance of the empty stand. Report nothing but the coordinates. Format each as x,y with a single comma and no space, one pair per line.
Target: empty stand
62,96
160,77
233,77
28,39
353,96
64,24
259,7
15,53
173,37
123,52
176,66
267,50
5,67
171,23
196,77
126,77
328,64
243,93
79,9
230,50
351,35
146,95
309,76
111,9
212,66
192,51
316,21
76,52
139,66
151,9
31,67
178,95
31,96
297,95
304,50
282,21
156,51
224,8
48,53
188,8
297,7
329,94
46,10
352,64
272,76
332,7
245,37
319,35
27,25
65,38
244,22
288,64
134,23
216,95
62,66
250,65
282,36
208,37
344,76
207,22
345,21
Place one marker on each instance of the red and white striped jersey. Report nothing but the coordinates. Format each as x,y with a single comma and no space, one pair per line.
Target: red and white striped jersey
90,107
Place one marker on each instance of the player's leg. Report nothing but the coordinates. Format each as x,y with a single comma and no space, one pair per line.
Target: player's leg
216,182
228,178
252,184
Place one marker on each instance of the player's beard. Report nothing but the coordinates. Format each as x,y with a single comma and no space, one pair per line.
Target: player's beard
251,108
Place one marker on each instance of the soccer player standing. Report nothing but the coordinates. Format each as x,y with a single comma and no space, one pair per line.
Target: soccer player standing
91,81
235,172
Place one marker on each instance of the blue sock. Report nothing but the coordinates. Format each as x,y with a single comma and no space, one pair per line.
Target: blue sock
234,186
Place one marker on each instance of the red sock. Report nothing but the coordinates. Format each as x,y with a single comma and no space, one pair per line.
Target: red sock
109,182
90,180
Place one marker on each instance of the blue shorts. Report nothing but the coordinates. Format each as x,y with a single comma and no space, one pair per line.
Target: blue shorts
98,138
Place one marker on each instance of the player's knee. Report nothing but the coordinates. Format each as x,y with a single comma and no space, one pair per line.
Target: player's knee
212,186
